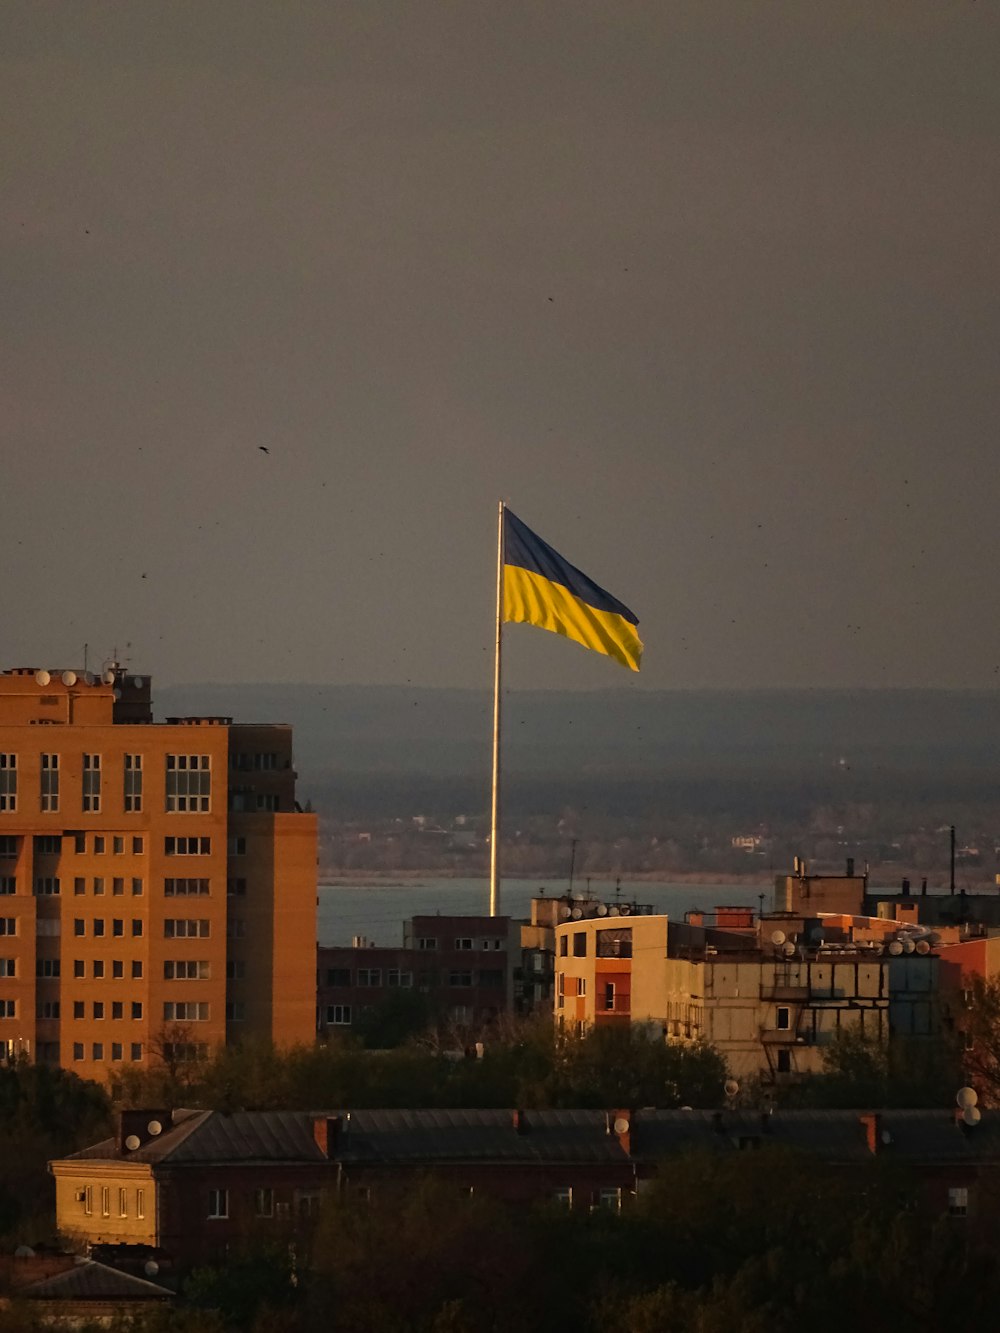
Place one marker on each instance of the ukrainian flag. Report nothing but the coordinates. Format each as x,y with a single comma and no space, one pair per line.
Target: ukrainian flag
541,588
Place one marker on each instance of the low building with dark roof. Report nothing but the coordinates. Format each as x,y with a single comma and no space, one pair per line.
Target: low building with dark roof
205,1179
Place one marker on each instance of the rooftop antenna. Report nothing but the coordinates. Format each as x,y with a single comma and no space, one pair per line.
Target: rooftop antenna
951,880
618,886
572,862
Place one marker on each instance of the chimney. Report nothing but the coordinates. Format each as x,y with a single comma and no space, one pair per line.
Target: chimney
135,1124
872,1122
906,887
850,867
620,1124
718,1124
520,1122
326,1133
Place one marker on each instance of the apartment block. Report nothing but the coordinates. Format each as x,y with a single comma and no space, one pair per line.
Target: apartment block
157,880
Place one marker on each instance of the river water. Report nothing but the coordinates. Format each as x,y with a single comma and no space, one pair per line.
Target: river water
378,911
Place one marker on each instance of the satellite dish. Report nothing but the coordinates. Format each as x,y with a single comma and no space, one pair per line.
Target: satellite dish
132,1142
625,909
731,1087
895,948
908,946
151,1268
117,694
88,678
923,947
966,1097
602,909
972,1115
612,910
621,1125
886,1137
563,909
24,1252
42,678
778,937
576,913
155,1127
68,678
108,677
137,682
788,949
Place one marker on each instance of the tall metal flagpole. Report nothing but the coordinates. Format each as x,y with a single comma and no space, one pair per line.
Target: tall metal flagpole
495,805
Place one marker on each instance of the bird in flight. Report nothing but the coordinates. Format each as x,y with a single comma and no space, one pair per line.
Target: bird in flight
263,448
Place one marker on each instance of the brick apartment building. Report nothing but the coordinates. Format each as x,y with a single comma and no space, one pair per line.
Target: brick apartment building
463,967
157,881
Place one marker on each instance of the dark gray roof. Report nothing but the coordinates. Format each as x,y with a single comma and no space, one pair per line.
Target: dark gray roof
422,1137
91,1281
925,1136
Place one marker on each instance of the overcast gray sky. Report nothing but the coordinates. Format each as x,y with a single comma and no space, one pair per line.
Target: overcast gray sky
707,290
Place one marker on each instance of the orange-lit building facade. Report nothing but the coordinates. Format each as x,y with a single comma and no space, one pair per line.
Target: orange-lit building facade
157,882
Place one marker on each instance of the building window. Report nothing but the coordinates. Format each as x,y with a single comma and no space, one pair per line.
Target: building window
78,1055
581,985
463,944
8,884
563,946
50,783
137,846
79,885
78,1009
98,845
140,1195
47,1009
610,1198
394,977
186,969
99,885
122,1191
98,968
187,1011
8,967
8,781
185,888
118,1010
784,1019
117,969
580,944
8,1008
98,1050
236,928
92,783
118,846
98,1008
237,846
369,976
137,1009
79,967
98,927
267,801
116,1050
136,1054
136,968
136,888
133,784
8,925
118,886
236,969
80,843
427,942
609,995
338,1015
117,926
784,1062
236,888
218,1203
564,1196
47,967
48,844
307,1203
958,1202
236,1011
187,846
614,943
88,1193
263,1203
459,978
189,783
136,927
79,926
46,887
8,847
